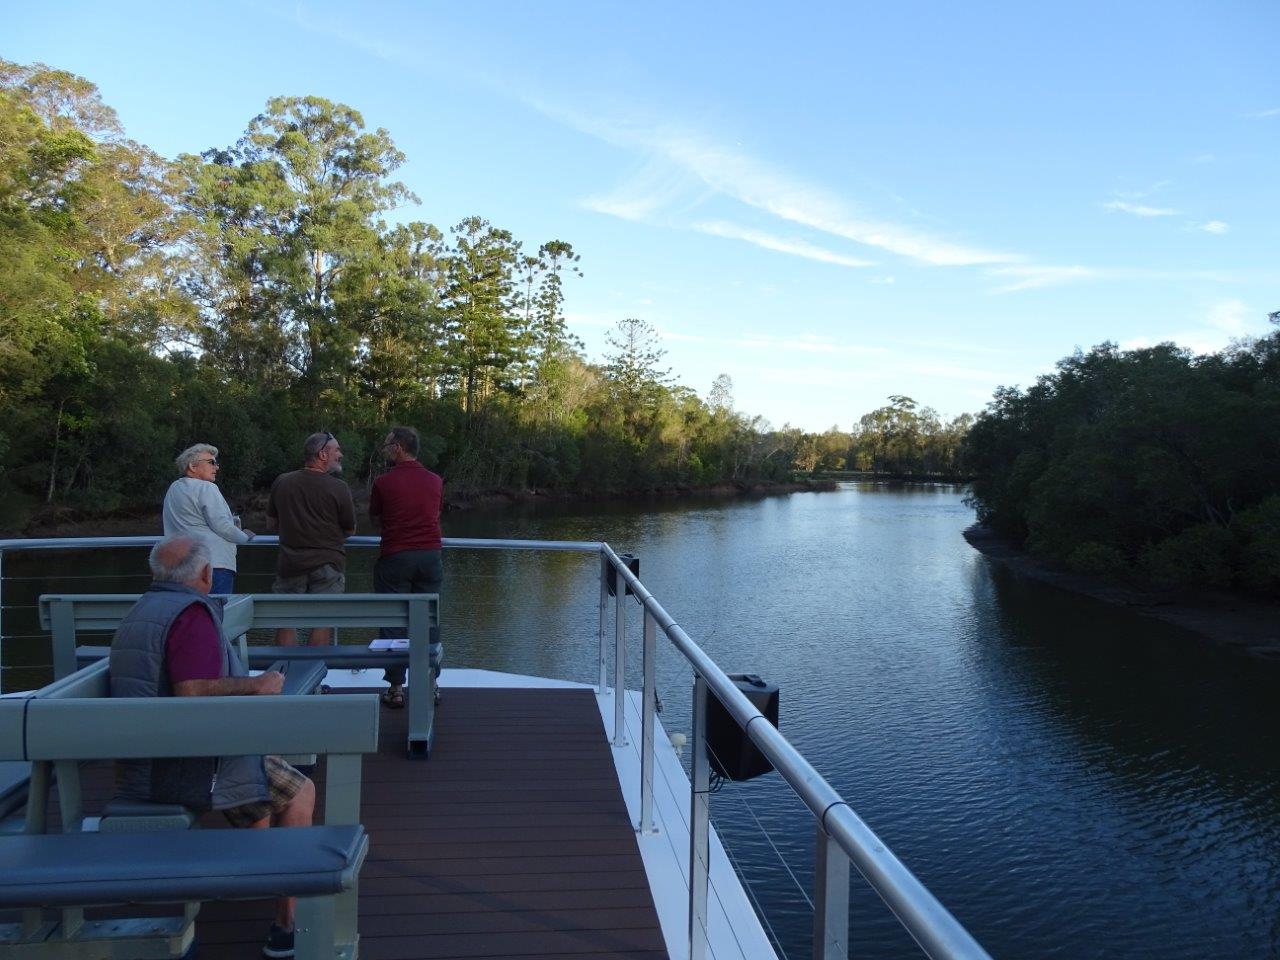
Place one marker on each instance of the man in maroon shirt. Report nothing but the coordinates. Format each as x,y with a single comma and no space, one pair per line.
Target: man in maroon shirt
193,664
405,502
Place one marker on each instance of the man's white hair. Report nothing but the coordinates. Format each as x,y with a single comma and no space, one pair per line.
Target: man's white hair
179,559
190,455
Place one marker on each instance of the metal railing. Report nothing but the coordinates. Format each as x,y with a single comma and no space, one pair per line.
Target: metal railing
842,839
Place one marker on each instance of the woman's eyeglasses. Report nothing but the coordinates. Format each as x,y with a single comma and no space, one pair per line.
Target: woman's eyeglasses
212,460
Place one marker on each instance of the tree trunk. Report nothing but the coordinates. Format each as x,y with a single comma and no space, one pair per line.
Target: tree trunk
53,463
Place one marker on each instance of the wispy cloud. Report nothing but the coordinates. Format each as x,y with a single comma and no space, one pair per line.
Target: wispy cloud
1225,321
1213,226
329,26
1139,209
1146,191
654,187
804,343
1031,276
1230,316
743,178
795,247
1263,114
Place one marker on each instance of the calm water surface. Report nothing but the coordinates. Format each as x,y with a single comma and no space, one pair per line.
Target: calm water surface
1069,779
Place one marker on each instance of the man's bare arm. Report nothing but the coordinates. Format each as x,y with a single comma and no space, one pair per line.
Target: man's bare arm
265,683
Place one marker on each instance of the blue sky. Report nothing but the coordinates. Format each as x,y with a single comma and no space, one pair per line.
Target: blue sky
831,203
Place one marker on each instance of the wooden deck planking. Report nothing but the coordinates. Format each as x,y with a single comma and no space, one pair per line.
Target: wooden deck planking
512,841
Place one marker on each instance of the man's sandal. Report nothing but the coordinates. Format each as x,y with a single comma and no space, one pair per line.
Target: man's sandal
393,698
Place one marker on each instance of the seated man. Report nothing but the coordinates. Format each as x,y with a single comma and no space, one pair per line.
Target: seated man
170,645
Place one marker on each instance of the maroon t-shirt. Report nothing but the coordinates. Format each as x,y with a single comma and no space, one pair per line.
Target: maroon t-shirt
407,499
193,649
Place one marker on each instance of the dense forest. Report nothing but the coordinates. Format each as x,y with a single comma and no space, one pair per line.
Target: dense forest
250,294
1154,463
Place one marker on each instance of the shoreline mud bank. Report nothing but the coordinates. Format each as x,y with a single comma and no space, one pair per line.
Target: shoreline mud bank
1238,623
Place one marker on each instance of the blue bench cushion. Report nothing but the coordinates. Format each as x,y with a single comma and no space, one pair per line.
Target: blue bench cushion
88,869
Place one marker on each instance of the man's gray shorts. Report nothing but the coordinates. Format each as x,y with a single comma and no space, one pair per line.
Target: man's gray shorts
323,579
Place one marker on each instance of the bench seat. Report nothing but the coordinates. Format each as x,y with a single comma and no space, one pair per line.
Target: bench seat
90,869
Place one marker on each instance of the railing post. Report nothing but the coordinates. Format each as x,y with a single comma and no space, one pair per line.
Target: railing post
650,695
830,899
422,680
604,613
699,824
619,663
62,631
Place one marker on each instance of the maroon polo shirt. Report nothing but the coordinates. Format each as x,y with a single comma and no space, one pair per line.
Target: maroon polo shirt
407,499
193,649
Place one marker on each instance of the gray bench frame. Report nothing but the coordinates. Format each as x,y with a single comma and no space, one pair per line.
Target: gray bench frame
418,614
74,719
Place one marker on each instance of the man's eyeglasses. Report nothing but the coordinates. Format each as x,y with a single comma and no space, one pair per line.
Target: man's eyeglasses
327,437
212,460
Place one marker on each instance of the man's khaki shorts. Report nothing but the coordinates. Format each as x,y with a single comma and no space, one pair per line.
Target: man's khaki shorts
323,579
283,784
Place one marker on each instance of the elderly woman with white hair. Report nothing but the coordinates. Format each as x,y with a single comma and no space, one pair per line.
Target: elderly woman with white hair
195,506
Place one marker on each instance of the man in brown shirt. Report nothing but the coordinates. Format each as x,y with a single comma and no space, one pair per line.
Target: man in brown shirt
314,513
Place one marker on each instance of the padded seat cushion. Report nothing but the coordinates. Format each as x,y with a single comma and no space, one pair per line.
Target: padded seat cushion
86,869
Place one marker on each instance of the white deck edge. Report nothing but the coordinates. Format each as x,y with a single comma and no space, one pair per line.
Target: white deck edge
734,929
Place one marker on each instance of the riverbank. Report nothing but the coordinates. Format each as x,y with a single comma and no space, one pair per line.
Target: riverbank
252,508
1239,623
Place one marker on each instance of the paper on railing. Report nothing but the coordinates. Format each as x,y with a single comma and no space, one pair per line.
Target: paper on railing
399,643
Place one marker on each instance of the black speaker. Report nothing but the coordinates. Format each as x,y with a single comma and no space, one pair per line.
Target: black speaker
730,750
611,573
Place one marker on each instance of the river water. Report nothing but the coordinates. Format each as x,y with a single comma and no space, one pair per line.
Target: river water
1071,780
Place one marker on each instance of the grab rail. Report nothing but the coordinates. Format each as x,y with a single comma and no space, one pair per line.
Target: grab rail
842,838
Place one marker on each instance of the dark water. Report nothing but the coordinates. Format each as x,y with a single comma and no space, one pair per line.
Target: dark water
1069,779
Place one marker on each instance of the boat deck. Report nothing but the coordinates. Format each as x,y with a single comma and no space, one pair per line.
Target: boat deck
512,841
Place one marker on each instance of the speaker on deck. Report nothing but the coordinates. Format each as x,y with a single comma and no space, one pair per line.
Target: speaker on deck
730,750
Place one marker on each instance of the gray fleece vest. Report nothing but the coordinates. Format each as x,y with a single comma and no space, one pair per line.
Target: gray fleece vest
138,670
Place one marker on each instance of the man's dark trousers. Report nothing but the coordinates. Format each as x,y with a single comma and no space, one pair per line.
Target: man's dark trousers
409,571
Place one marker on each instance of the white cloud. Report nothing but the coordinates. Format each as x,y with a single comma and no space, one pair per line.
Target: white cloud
1263,114
802,343
1139,209
331,27
654,187
1142,194
1230,316
1214,226
752,182
1031,276
1225,321
795,247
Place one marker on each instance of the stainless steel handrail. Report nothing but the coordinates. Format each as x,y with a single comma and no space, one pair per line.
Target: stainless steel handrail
938,933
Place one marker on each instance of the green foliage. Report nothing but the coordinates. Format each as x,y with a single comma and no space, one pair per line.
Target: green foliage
1257,530
1197,556
1098,559
1164,458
